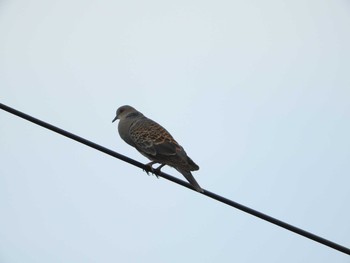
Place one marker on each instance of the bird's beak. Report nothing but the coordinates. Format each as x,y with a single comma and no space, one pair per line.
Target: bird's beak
116,117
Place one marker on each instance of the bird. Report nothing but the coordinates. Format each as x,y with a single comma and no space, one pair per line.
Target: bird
154,142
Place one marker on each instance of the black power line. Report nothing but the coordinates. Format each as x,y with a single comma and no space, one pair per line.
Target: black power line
178,181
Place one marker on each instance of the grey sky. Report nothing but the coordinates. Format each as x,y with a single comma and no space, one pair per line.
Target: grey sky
257,92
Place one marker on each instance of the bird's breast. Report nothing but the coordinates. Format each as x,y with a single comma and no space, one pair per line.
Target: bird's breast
123,129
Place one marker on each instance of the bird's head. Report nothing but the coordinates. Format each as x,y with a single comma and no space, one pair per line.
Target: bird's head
123,112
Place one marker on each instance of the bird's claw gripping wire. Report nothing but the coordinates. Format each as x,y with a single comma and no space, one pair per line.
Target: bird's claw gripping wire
153,171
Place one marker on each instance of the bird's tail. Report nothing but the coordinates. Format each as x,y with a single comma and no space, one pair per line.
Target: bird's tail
189,177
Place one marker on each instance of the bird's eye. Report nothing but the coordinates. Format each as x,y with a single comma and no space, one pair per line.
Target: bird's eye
121,110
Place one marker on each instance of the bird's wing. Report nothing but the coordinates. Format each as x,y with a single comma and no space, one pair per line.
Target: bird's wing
151,138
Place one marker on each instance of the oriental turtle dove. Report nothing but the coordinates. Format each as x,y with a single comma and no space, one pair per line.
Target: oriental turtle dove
154,142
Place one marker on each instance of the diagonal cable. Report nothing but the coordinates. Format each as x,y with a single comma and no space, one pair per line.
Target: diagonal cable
212,195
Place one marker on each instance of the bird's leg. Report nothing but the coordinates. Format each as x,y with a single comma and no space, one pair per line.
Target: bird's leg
157,170
159,167
150,166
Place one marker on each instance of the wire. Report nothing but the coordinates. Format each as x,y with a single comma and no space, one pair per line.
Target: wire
178,181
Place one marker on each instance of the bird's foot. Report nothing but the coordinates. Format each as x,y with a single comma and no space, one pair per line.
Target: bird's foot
157,170
154,171
149,165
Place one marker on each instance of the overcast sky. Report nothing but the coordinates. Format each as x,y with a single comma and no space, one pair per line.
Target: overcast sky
257,92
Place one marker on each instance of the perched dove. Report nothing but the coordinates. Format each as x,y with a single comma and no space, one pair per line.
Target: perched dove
154,142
